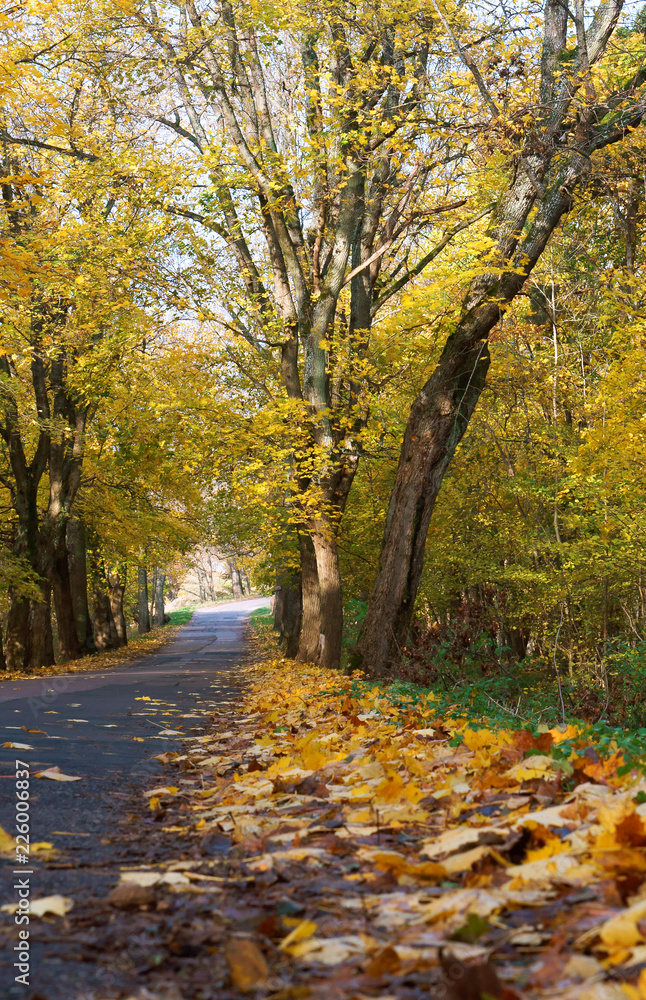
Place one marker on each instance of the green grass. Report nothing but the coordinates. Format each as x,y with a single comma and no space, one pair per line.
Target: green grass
182,615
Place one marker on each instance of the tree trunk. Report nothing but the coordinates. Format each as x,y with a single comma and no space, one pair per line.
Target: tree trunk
3,662
77,561
158,619
235,579
331,599
103,635
40,650
292,611
17,632
287,609
441,413
144,619
117,591
68,641
310,638
279,601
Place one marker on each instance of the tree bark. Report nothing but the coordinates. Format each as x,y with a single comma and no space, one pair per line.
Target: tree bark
331,598
279,602
116,595
77,561
543,184
158,618
144,618
292,611
3,662
40,650
103,634
236,582
287,609
310,638
68,641
17,632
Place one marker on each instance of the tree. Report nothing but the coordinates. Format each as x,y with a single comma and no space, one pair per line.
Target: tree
325,181
578,114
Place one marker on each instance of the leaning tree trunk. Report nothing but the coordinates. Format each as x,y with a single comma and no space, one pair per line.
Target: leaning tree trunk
158,619
77,561
438,418
441,413
310,638
143,624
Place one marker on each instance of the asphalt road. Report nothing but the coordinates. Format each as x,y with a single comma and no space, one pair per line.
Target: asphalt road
104,728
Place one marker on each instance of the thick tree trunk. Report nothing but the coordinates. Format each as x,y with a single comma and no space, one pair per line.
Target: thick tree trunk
331,598
17,632
292,611
68,641
40,650
236,582
117,591
103,633
287,609
310,638
144,618
77,561
158,619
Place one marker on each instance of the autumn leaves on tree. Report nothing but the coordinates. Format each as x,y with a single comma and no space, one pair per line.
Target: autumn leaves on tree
250,248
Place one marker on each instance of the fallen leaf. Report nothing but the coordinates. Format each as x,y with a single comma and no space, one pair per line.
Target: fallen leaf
464,981
247,965
56,774
304,930
131,895
57,905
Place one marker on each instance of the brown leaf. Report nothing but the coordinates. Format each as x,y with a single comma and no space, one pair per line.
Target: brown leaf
247,965
470,982
129,896
384,961
312,786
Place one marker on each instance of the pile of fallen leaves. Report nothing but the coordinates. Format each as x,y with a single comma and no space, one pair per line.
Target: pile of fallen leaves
386,852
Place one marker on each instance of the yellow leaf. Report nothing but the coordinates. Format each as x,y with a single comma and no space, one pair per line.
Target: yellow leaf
304,930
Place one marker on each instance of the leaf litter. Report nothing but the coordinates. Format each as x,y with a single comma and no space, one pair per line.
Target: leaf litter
323,838
378,849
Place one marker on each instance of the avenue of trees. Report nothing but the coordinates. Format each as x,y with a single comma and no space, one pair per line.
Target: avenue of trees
352,292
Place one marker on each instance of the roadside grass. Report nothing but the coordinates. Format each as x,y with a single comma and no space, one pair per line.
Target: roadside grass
482,704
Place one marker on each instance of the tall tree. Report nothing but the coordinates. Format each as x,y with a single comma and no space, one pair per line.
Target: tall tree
576,113
325,184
